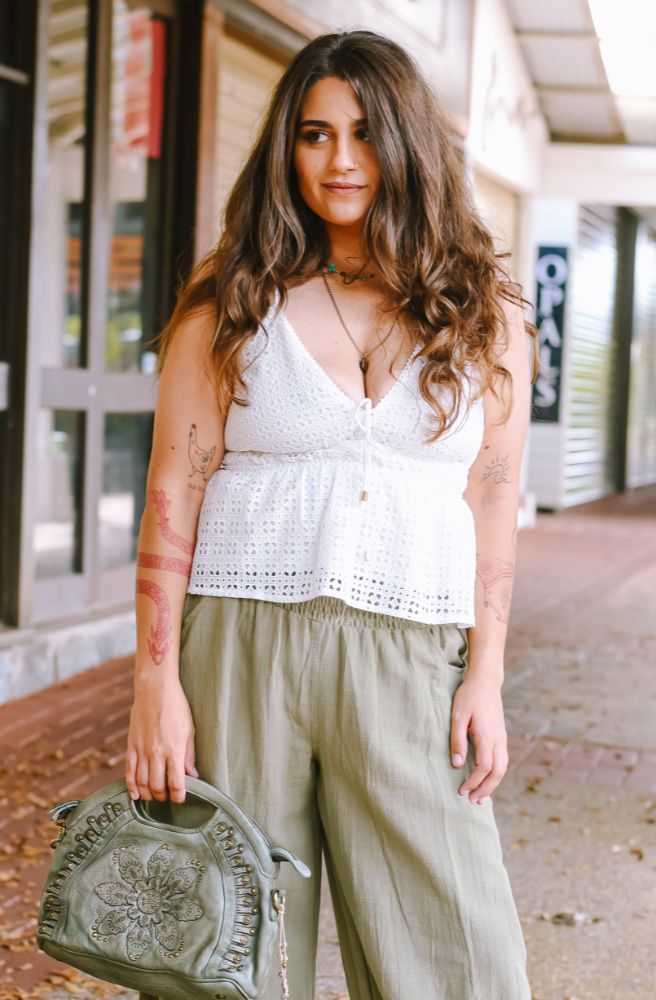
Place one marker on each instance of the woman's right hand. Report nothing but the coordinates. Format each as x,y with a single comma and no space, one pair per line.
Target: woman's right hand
160,749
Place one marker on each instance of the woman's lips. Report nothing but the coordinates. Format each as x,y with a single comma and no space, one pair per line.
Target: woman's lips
344,188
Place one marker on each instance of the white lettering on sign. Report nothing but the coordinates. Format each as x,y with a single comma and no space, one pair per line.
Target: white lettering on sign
552,270
549,333
550,296
545,384
559,265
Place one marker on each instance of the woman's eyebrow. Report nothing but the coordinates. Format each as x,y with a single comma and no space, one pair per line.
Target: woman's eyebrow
319,123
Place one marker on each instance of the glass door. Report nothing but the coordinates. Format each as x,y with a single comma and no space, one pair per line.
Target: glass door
17,30
99,295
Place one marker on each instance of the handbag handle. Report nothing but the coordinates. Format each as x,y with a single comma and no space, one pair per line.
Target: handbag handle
140,811
197,789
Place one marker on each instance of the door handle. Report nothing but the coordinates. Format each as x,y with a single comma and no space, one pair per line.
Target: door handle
4,385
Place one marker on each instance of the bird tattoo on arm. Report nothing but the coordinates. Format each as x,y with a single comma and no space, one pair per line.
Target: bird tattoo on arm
200,458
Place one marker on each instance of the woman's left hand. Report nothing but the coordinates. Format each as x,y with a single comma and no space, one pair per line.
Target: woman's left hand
478,709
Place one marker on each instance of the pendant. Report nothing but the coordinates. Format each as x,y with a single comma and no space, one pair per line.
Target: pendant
364,364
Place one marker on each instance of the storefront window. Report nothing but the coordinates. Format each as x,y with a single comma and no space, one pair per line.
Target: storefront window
6,33
128,439
135,186
58,522
99,288
4,187
63,238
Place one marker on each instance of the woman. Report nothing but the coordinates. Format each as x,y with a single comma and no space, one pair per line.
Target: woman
346,364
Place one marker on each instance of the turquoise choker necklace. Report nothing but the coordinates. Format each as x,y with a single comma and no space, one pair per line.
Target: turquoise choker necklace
348,276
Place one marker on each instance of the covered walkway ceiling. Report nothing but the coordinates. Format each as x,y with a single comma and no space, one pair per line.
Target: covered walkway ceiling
563,55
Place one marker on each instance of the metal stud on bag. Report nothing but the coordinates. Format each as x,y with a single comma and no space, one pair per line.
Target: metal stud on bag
279,897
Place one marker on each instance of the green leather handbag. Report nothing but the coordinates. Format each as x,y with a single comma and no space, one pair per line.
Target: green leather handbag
170,899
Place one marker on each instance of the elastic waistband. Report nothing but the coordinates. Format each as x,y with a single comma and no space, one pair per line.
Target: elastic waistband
326,608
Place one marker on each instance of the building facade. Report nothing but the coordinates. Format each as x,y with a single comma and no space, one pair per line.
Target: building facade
97,213
123,125
594,421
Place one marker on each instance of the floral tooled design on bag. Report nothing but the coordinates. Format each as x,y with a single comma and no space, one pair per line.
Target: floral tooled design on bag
150,903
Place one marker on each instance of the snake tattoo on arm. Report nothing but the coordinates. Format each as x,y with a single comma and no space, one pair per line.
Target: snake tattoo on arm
159,640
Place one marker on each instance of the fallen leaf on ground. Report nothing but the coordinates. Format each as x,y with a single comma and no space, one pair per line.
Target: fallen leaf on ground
36,800
574,918
520,842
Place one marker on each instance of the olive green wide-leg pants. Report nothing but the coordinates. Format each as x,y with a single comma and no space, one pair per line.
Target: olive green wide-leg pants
330,725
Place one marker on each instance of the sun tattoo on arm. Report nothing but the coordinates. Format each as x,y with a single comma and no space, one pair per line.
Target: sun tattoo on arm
498,470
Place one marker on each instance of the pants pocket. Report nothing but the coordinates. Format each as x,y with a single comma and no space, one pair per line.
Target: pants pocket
456,648
191,602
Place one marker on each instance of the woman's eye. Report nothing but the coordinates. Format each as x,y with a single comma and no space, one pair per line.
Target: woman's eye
317,137
314,135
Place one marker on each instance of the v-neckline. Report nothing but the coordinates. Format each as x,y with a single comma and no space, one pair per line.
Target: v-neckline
355,403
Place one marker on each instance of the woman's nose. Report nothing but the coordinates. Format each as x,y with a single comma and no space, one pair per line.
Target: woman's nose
344,157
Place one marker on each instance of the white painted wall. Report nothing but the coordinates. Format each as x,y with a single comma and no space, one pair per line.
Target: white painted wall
507,133
435,32
506,142
598,174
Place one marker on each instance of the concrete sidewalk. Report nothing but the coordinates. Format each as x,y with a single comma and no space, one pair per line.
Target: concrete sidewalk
576,810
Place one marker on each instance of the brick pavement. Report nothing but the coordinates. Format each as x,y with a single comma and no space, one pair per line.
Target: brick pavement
80,725
76,727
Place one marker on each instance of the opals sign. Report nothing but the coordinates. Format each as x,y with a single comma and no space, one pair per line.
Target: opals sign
551,271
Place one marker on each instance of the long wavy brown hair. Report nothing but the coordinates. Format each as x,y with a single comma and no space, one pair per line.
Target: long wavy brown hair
435,257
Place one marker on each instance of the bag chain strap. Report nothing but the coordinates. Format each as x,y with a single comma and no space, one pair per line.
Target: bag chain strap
279,897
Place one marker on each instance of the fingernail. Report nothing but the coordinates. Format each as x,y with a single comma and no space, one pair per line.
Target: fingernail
134,795
458,759
484,799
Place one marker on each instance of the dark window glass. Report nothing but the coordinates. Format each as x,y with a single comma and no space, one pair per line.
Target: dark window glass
63,240
4,204
128,438
7,18
58,522
138,86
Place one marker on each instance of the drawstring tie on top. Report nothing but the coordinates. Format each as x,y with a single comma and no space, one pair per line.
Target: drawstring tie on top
363,418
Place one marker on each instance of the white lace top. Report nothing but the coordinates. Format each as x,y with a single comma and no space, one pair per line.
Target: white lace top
284,517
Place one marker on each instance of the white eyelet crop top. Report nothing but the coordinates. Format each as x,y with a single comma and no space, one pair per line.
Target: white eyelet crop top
319,494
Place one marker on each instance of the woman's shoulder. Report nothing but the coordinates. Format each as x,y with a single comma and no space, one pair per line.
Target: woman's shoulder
192,337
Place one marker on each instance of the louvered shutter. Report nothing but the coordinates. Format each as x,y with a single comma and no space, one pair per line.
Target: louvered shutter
641,451
590,425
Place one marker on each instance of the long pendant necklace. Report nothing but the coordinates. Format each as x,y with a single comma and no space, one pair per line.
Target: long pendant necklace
364,355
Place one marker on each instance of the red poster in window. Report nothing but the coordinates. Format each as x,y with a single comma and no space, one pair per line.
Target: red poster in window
139,79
